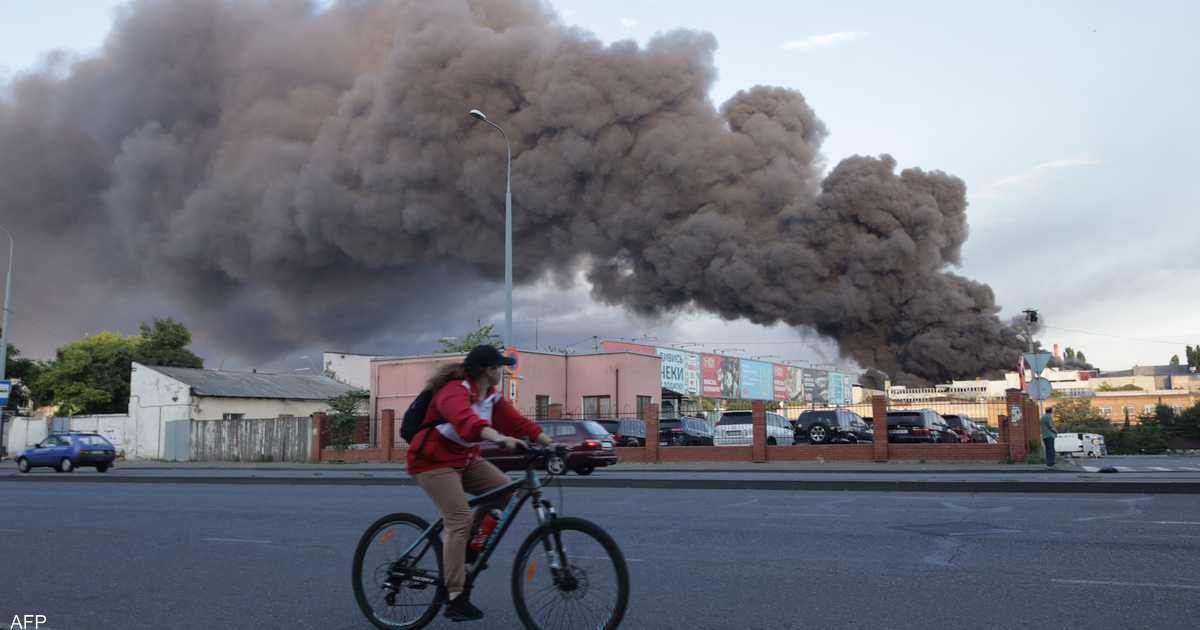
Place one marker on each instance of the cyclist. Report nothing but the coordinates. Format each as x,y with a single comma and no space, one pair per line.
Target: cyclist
444,458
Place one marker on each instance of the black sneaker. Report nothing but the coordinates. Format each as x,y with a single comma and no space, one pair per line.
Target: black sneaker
461,609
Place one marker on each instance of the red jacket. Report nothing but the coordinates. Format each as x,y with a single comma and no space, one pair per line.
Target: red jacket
454,444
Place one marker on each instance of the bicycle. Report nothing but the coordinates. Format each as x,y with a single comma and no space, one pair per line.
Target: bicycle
577,555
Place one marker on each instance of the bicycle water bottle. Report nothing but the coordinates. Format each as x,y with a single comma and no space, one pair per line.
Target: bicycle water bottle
485,529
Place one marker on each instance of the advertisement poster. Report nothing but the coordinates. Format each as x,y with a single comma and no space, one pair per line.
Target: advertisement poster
816,386
730,377
710,375
795,385
674,370
758,381
692,373
781,382
835,389
621,346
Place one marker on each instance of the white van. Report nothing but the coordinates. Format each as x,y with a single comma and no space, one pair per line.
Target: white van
1080,444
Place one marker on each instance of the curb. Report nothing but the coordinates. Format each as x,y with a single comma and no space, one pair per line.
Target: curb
1040,487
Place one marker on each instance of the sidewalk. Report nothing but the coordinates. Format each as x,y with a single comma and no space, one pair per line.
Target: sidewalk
905,477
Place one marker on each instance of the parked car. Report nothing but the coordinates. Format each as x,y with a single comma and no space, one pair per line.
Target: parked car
65,452
919,425
626,431
967,429
684,431
1080,444
589,446
832,426
735,428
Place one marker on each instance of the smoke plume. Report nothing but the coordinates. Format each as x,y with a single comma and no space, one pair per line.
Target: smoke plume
289,173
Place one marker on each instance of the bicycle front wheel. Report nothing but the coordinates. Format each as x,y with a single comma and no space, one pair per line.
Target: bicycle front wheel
397,573
570,575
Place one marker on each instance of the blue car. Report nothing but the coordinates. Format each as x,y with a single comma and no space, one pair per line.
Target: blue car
65,452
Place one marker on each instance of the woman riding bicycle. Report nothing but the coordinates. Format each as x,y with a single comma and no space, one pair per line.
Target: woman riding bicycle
444,459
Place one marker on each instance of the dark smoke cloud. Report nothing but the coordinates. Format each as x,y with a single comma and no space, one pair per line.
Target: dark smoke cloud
289,174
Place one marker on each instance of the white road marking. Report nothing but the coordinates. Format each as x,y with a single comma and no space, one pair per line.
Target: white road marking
1115,583
237,540
1191,468
1160,469
605,558
1176,522
1125,468
1091,469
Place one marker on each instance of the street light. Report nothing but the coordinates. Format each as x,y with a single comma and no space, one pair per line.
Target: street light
7,292
478,115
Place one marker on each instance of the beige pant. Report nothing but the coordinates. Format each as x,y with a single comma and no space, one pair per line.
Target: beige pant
448,487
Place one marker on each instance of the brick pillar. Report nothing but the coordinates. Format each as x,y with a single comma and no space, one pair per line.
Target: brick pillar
554,412
879,425
387,432
1014,403
315,444
758,419
651,434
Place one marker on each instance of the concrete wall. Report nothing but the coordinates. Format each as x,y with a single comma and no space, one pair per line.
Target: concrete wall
21,432
396,382
160,408
116,428
215,408
621,375
540,375
351,369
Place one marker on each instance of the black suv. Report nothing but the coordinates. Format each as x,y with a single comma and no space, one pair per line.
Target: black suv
919,425
684,431
626,431
833,426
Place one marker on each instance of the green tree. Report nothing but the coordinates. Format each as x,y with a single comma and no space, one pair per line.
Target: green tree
343,414
1078,415
478,337
1193,357
165,343
24,370
1174,359
89,375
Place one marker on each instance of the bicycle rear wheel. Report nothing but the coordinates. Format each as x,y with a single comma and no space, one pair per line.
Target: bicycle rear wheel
590,591
394,590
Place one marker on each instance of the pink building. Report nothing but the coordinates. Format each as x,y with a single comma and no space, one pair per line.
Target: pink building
608,384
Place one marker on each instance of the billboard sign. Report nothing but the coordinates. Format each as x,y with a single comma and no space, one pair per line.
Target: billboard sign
781,382
674,370
710,376
758,382
729,375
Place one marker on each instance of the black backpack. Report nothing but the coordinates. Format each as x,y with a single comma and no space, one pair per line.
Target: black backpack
414,418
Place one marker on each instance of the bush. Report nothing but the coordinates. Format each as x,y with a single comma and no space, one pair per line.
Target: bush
342,415
1035,456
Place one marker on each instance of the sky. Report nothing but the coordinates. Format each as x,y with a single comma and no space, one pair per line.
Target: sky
1072,123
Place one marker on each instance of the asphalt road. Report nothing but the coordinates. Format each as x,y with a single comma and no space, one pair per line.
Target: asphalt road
131,556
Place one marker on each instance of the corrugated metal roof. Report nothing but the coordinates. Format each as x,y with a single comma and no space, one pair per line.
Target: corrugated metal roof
256,384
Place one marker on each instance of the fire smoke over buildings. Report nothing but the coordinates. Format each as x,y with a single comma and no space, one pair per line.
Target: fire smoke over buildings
295,174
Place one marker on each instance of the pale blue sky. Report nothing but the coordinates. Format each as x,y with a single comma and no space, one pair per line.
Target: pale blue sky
1073,123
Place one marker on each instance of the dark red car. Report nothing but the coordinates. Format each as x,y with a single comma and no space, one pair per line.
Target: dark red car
589,446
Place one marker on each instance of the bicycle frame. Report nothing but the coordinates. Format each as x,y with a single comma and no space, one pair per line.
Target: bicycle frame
523,490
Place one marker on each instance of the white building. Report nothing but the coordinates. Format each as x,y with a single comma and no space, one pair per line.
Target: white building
349,368
163,402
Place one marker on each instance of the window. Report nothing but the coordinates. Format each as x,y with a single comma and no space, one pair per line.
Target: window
564,429
1106,412
643,402
233,416
541,407
597,406
1127,410
1148,410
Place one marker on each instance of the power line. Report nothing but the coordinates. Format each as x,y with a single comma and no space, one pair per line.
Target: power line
1100,334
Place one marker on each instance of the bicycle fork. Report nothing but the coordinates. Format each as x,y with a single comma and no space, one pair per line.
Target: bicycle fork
556,555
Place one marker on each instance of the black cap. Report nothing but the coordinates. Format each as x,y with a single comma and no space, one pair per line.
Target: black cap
486,356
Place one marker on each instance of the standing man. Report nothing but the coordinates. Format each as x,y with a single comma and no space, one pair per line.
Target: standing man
1048,435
